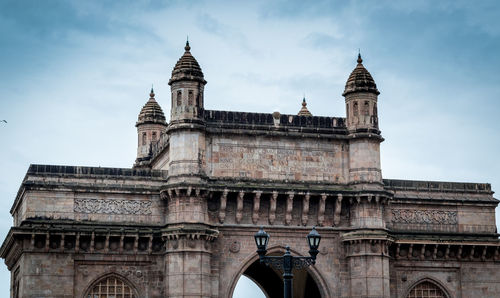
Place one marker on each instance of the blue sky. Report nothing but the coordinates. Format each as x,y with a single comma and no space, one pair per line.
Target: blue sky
75,74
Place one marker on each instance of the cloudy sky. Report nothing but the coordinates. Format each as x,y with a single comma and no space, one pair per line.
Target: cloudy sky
75,74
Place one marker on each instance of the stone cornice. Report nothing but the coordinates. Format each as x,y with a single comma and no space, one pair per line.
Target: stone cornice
63,236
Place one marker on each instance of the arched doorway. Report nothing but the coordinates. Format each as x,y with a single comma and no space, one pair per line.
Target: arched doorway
270,281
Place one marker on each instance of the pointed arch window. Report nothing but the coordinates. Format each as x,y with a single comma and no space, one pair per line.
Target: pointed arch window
111,287
427,289
355,109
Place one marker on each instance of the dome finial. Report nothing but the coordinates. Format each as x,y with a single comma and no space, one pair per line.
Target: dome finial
359,57
152,93
187,47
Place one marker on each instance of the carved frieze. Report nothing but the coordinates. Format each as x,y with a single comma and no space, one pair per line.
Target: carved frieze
432,217
112,206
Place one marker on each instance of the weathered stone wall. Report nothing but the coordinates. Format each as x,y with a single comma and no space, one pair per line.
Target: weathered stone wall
144,272
46,275
457,279
277,158
96,206
442,207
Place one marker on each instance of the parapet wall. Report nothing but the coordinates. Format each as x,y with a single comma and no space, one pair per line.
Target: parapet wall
442,207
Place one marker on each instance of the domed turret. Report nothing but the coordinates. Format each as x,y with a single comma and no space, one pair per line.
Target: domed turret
361,100
187,68
187,85
360,80
361,95
151,112
151,126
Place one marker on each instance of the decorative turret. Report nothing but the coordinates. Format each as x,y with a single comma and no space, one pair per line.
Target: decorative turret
362,123
187,125
304,111
187,85
361,100
151,126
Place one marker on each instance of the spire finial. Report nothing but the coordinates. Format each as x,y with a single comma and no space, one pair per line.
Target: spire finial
359,57
187,47
304,111
152,93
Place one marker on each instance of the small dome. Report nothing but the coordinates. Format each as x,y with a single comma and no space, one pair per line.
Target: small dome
151,112
304,111
187,68
360,80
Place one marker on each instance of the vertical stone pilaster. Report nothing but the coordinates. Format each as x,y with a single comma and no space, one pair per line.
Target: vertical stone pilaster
368,261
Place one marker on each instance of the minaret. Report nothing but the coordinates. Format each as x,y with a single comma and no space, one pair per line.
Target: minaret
187,126
362,124
151,126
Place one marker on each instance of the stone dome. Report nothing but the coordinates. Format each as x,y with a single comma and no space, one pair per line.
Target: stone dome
151,112
187,68
360,80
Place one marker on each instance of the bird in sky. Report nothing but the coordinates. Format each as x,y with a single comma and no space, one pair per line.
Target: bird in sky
4,121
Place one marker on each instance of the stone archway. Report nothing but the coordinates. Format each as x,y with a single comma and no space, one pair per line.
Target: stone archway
270,280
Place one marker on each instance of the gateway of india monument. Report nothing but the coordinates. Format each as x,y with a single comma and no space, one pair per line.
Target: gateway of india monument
181,222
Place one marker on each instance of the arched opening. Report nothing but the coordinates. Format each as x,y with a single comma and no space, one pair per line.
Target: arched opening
270,281
427,289
247,288
111,286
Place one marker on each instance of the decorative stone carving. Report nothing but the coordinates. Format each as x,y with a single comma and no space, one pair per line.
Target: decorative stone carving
234,247
321,210
305,209
289,207
256,207
338,209
222,209
112,206
433,217
272,208
239,206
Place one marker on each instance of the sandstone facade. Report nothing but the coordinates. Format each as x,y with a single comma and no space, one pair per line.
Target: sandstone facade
180,223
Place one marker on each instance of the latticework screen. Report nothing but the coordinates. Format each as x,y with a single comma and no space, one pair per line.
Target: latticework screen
111,287
426,290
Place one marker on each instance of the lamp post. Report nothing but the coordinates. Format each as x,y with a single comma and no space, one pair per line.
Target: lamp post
287,262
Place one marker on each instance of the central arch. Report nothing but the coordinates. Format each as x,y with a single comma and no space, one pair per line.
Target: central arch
306,282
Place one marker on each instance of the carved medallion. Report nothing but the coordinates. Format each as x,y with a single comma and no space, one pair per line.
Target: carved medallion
234,247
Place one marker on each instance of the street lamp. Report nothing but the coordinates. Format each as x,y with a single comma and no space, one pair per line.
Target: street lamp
287,262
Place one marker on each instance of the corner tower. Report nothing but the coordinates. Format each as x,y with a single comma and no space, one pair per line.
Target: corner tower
151,126
187,84
187,126
361,95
